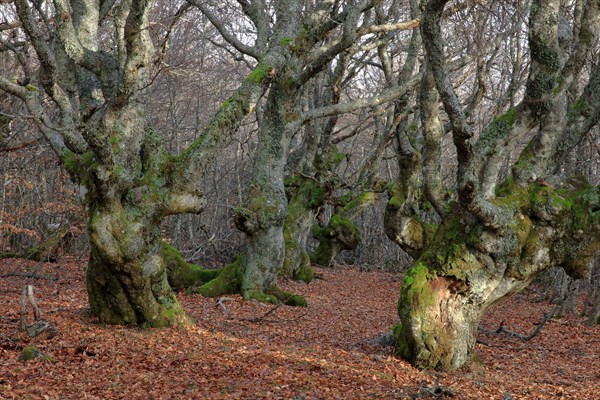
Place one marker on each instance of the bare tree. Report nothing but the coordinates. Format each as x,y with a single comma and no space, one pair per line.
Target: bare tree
492,236
85,68
294,41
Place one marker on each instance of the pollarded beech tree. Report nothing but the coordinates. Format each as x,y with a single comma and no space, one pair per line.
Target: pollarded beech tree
397,69
496,234
294,42
84,69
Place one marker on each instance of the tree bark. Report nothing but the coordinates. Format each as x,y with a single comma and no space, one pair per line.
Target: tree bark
298,222
340,233
494,238
263,214
468,267
126,275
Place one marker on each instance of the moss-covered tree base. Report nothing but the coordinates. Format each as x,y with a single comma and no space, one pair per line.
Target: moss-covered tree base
226,282
287,298
305,273
153,305
182,274
214,283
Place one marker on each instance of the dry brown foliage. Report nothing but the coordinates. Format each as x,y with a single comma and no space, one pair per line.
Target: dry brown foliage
246,350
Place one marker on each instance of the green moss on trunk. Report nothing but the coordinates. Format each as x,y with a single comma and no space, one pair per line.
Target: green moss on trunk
339,234
305,273
228,281
296,227
182,274
467,267
126,275
287,298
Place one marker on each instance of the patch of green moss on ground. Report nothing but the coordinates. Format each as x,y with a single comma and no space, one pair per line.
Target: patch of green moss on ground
31,353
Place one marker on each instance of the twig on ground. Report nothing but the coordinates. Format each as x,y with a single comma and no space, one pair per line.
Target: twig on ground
221,303
503,329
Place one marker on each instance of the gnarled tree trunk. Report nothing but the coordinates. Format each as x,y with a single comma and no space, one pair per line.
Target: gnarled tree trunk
126,275
467,267
340,233
490,239
90,107
264,211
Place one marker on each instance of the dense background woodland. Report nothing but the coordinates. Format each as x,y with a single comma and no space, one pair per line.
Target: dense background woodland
396,167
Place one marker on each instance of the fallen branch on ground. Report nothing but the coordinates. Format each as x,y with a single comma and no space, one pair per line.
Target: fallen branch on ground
41,328
503,329
28,275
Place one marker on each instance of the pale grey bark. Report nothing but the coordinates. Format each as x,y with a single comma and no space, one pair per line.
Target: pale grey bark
500,235
97,128
305,39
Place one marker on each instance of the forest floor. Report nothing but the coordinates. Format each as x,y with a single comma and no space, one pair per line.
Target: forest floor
246,350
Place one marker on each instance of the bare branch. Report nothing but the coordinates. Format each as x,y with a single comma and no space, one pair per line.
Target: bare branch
192,161
225,33
400,26
87,58
432,39
15,89
256,11
165,44
341,108
324,54
502,328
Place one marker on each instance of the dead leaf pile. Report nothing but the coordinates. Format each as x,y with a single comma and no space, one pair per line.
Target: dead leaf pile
333,349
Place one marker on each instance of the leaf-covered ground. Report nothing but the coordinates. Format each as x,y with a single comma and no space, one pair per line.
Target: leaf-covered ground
246,350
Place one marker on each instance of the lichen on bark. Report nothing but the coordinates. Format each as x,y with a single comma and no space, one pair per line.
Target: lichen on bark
340,233
468,267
